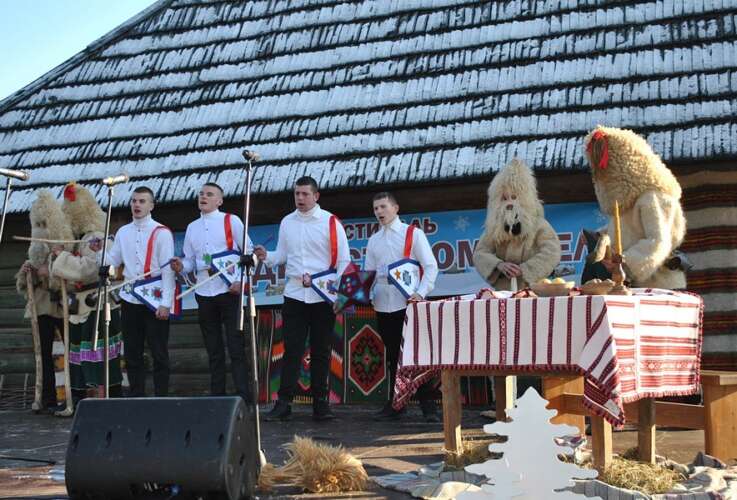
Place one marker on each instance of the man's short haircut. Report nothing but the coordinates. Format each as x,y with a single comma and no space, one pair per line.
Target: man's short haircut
308,181
387,195
144,189
216,186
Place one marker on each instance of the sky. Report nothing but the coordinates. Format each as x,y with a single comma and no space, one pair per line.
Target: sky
38,35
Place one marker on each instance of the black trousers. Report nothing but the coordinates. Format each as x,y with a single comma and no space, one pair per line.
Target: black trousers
390,330
301,319
214,313
139,325
46,327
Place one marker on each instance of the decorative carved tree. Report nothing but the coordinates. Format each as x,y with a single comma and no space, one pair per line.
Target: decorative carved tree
530,468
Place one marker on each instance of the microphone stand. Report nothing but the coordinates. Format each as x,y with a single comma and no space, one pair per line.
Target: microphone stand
103,302
5,207
248,264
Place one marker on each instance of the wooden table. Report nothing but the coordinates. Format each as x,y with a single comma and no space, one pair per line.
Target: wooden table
629,349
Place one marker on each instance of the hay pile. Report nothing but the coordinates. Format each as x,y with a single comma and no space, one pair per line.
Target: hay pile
629,473
317,468
474,452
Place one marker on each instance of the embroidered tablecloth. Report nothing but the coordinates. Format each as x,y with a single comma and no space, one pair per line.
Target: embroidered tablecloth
626,347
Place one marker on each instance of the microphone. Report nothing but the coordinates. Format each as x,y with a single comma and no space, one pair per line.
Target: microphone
15,174
249,155
111,181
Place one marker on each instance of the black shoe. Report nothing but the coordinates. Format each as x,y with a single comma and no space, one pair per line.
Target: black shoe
385,410
430,411
281,411
392,415
321,410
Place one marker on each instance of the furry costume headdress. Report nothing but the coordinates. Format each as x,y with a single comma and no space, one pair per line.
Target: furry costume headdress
513,208
47,222
624,167
82,210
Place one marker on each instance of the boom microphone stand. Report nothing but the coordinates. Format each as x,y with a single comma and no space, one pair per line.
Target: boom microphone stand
103,301
248,265
10,174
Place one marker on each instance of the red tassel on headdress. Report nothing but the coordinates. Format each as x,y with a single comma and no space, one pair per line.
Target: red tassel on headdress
70,192
598,149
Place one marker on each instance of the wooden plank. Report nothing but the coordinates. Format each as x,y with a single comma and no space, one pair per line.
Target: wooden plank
667,414
191,384
720,412
17,362
12,317
504,395
679,415
718,377
601,442
646,430
451,389
555,386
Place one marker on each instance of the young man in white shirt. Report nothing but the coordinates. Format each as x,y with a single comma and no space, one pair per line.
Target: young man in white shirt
311,240
396,241
141,246
218,304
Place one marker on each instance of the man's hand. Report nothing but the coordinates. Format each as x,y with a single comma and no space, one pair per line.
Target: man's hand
415,298
509,269
57,249
96,244
609,265
27,267
260,252
306,280
235,288
176,265
162,313
43,270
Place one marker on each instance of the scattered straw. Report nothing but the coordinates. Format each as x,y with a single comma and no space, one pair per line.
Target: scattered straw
474,452
624,472
317,468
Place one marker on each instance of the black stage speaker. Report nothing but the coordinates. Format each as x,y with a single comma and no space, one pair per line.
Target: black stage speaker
163,448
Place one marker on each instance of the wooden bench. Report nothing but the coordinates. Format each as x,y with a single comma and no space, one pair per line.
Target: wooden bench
717,416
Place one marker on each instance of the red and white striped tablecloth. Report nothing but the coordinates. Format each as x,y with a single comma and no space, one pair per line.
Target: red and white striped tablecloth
627,347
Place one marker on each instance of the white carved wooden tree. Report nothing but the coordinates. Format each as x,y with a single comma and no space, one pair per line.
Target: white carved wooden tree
530,468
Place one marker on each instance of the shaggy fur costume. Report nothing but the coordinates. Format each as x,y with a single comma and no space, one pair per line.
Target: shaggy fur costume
87,222
516,230
624,168
47,222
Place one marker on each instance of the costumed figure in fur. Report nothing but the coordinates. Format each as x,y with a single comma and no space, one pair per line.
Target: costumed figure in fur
42,293
517,241
626,170
80,268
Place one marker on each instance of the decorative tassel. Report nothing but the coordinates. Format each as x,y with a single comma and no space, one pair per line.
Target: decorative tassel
70,192
598,149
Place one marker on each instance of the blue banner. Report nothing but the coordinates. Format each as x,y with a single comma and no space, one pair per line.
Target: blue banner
452,235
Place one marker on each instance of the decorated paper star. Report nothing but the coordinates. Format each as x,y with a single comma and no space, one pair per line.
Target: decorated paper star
354,287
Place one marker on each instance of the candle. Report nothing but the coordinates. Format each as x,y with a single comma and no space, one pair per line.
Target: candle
617,229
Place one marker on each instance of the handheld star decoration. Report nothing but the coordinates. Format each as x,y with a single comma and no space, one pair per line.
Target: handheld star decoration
354,287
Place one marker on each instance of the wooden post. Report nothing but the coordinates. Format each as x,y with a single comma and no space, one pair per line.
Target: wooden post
68,410
36,336
451,389
646,430
504,395
720,414
553,388
601,442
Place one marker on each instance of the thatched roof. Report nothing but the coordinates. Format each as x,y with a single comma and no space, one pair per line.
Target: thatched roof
358,93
